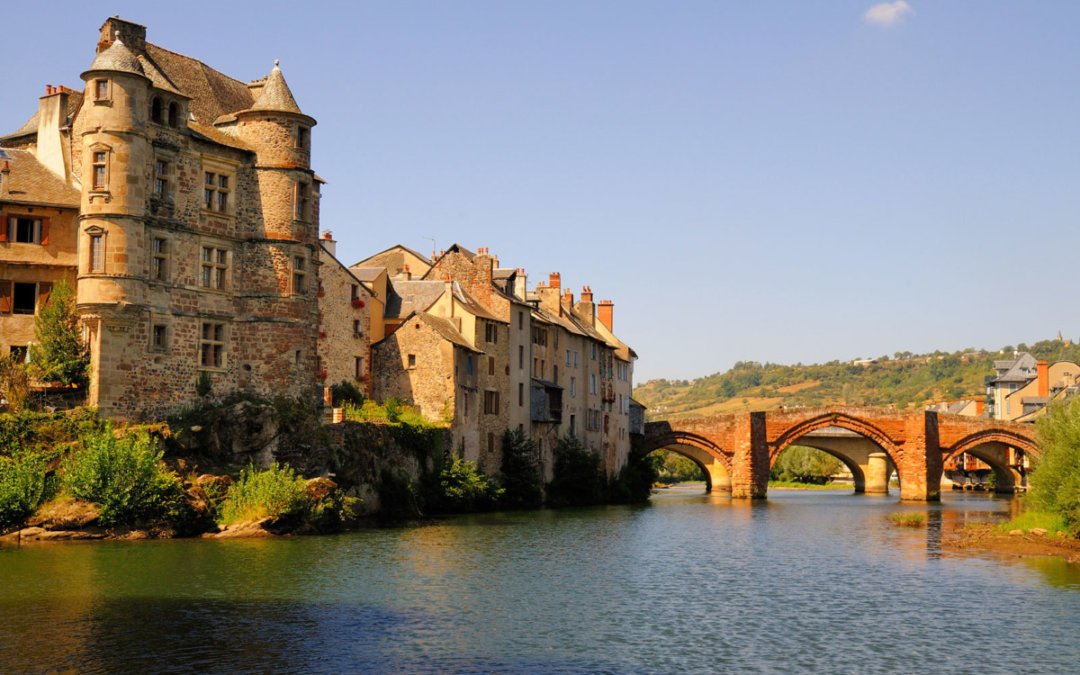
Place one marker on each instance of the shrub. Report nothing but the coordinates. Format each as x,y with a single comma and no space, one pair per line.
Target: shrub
347,392
635,480
203,384
125,477
22,487
398,497
520,472
465,488
277,492
578,480
1055,481
60,354
14,383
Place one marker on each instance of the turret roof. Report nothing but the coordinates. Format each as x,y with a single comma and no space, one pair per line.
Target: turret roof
275,95
117,58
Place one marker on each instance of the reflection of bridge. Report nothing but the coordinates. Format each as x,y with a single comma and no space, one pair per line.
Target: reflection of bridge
737,451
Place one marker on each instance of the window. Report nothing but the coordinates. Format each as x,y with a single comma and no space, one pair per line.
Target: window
101,90
521,357
358,367
17,297
521,320
521,394
303,137
465,404
491,443
356,330
215,192
100,169
158,337
491,403
594,351
303,197
539,336
97,253
155,110
592,383
25,230
174,114
491,332
299,272
573,425
491,365
573,387
159,256
161,181
555,374
355,292
212,345
214,267
469,365
569,359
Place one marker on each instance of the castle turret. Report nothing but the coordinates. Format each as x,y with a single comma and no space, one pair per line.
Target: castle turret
115,152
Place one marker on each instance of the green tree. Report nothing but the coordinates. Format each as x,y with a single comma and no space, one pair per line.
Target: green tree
14,383
804,465
1055,482
578,479
520,472
60,354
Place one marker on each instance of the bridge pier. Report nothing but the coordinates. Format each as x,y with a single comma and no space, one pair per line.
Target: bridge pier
750,474
878,470
921,465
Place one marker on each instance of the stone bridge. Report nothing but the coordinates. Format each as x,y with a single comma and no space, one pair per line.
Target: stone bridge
737,451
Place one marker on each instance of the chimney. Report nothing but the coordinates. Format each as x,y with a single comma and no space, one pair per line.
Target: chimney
586,294
52,116
605,311
405,273
555,280
131,34
568,300
1043,370
328,243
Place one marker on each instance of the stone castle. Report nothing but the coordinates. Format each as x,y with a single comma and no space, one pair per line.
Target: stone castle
182,205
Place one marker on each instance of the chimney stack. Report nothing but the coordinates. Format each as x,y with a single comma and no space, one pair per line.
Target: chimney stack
586,294
555,280
405,273
1042,368
605,312
328,243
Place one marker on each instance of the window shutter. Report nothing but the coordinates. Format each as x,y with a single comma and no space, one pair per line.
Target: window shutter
5,297
44,231
4,225
44,289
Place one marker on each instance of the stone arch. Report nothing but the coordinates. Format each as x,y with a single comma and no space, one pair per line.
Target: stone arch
990,446
1004,436
858,476
155,110
689,445
174,114
843,421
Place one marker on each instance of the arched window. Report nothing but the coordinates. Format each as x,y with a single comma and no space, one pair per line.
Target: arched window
155,110
174,112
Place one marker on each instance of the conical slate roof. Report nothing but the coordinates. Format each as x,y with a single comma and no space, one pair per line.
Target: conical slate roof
117,58
275,95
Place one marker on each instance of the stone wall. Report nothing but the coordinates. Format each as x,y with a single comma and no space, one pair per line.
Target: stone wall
340,344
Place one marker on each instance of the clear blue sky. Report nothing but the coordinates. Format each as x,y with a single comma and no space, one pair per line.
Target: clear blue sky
771,181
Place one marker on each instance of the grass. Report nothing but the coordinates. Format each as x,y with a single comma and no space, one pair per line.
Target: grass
1029,520
908,519
795,485
277,492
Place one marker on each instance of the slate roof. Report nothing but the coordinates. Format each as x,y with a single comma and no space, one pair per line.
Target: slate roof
1022,370
368,274
29,182
275,95
472,304
117,58
408,297
212,93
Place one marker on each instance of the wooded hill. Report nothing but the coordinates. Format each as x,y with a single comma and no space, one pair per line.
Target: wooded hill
904,380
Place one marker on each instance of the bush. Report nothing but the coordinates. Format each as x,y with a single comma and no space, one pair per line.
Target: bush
520,472
60,354
14,383
466,488
277,492
347,392
578,480
125,477
398,497
1055,481
22,488
45,433
635,480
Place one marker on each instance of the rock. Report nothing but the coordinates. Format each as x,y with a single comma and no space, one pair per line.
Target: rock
1038,531
1016,533
41,534
65,514
245,530
1061,534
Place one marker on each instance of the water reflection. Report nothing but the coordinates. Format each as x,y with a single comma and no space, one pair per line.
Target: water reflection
693,582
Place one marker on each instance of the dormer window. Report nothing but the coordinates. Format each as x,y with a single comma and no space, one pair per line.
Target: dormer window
101,90
155,110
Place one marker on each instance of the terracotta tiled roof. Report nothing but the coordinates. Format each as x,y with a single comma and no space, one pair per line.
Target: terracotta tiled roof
117,58
29,182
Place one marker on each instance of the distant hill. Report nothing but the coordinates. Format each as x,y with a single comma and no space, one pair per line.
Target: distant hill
904,380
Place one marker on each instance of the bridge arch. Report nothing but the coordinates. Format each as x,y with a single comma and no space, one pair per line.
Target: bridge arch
992,447
858,476
835,419
714,462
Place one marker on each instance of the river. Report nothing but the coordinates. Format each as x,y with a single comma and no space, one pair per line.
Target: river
809,581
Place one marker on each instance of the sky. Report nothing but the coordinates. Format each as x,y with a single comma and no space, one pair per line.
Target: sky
769,181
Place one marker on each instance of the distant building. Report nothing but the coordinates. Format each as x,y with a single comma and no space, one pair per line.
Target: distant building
1023,386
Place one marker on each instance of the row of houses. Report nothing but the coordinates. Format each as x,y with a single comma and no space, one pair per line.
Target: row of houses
182,205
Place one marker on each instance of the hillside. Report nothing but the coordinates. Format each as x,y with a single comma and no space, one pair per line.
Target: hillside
903,380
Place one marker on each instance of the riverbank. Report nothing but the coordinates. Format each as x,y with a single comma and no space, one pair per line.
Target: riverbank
985,538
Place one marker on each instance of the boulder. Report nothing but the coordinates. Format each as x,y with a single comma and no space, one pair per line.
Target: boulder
65,514
318,489
1016,533
246,530
1038,531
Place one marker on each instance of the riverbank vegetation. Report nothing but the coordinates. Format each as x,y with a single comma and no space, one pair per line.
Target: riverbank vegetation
907,519
903,380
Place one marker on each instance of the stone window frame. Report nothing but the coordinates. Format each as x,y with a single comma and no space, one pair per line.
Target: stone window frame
358,367
216,345
158,270
39,228
299,274
96,260
302,201
161,184
219,167
491,332
159,325
96,88
573,387
303,137
104,163
410,361
491,402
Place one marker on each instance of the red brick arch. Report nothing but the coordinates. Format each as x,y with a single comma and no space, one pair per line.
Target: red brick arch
676,438
835,419
1004,436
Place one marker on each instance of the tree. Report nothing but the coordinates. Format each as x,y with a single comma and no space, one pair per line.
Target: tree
14,383
1055,482
804,465
60,354
520,472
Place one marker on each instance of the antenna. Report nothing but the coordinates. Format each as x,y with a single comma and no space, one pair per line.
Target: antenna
432,240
